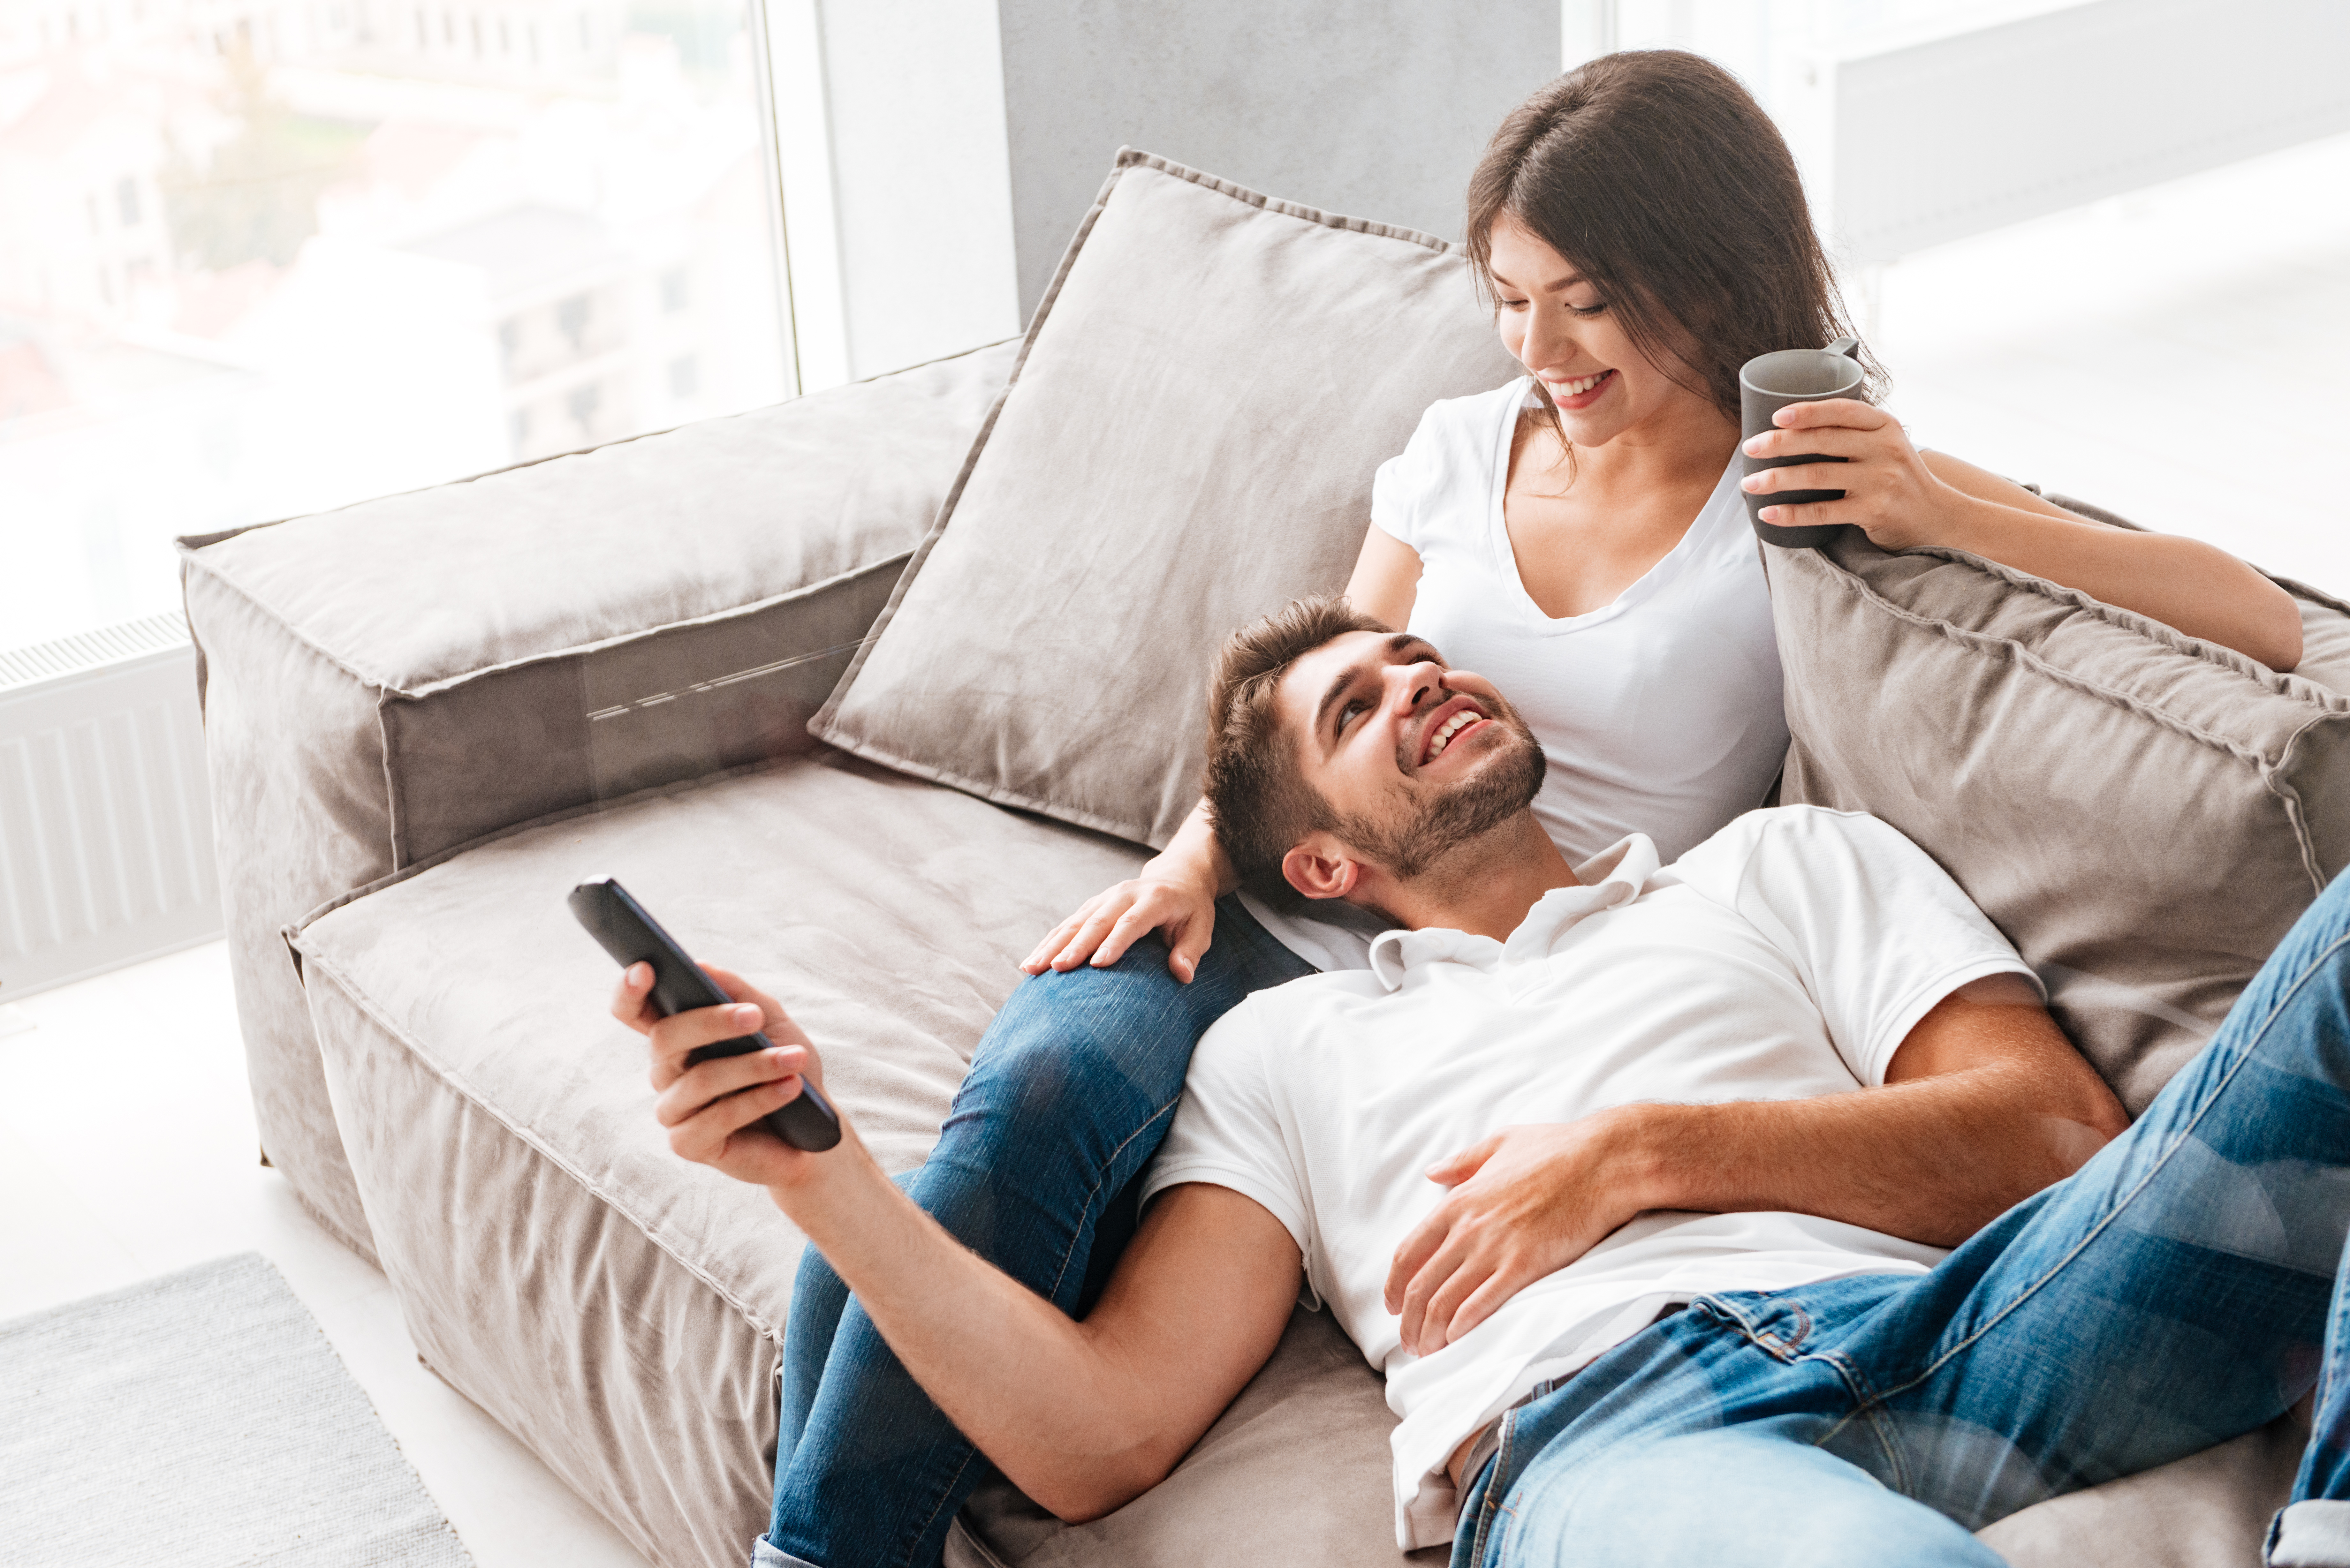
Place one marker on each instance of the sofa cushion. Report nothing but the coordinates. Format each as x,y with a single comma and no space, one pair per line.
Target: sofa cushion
1188,442
387,680
610,1303
2142,813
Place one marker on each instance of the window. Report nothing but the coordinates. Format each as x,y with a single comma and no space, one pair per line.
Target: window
268,271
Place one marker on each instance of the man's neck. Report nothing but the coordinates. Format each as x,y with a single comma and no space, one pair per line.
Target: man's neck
1484,886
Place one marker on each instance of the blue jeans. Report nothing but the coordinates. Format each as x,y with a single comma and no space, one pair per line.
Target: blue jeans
2172,1294
1036,1170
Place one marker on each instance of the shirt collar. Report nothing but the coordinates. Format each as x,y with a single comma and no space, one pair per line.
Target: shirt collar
1608,879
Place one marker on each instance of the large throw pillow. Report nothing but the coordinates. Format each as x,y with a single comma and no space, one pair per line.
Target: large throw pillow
1188,442
2144,814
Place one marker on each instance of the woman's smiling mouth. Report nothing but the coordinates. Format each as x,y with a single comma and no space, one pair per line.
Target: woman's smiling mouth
1582,391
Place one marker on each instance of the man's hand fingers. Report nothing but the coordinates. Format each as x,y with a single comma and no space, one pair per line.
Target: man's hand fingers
1430,1278
1410,1258
1438,1327
1455,1170
1485,1301
722,1075
631,999
704,1136
676,1037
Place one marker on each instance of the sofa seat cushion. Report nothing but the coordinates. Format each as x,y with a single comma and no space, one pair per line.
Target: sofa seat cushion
612,1304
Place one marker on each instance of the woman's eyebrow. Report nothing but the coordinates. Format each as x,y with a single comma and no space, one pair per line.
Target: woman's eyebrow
1569,281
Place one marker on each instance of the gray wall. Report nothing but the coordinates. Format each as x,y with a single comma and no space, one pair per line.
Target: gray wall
1375,109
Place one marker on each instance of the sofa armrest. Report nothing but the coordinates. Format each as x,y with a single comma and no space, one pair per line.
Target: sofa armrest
386,682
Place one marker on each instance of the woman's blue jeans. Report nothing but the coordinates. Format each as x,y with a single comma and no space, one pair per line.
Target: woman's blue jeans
1069,1093
2172,1294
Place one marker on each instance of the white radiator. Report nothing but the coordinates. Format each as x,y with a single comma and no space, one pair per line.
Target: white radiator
105,839
1975,131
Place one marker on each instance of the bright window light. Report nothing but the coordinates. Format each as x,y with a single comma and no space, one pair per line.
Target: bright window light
260,258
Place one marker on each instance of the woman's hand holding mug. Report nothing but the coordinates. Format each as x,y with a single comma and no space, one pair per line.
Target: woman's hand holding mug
1889,490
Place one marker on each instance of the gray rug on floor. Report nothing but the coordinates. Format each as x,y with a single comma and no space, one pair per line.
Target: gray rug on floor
200,1420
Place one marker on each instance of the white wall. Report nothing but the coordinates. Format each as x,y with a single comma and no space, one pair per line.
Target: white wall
897,193
1377,108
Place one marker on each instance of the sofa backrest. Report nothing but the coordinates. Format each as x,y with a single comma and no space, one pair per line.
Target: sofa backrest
1187,443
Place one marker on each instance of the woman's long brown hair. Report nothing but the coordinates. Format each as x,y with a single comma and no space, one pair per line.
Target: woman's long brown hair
1660,179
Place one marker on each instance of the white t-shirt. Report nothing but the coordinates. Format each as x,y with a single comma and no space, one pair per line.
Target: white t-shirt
1786,957
1660,713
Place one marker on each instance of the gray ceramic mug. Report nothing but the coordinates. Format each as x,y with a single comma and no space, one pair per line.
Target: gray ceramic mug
1769,382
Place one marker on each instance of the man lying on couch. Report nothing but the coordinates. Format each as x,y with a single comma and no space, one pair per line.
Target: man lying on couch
1758,1088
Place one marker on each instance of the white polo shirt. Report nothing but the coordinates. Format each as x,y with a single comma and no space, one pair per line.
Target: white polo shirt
1786,957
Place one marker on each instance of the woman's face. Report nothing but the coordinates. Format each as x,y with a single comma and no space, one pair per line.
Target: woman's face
1562,331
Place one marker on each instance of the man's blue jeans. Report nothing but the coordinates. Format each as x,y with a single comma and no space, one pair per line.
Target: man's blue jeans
2172,1294
1069,1093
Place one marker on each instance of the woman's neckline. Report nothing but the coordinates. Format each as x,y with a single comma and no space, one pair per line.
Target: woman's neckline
1661,572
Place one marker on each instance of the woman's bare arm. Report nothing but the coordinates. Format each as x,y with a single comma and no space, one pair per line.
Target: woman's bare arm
1386,579
1905,499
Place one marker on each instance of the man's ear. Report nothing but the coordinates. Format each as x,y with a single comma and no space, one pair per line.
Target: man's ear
1322,867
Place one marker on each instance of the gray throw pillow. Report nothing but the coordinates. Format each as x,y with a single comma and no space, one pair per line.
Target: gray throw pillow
2144,814
1187,443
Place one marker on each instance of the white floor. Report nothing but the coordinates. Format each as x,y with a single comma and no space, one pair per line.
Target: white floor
127,1150
2182,357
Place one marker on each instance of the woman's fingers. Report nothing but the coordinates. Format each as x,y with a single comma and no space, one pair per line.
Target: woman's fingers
1190,945
1090,935
1801,476
1058,938
1849,412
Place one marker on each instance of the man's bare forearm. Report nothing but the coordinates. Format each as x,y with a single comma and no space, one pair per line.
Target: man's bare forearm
1026,1383
1933,1159
1081,1415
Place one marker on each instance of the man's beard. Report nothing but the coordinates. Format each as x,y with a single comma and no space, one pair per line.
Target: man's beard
1489,797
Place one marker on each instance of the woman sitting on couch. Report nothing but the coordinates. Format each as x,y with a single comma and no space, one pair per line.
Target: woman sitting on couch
1579,536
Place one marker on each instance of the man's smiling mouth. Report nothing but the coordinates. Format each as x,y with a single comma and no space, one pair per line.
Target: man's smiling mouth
1442,735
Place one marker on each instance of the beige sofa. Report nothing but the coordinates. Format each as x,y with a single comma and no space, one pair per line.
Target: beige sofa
429,716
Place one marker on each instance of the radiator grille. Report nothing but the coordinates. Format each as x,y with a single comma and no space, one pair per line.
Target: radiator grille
106,853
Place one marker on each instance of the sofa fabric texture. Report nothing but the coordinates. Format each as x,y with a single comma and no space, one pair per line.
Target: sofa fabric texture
386,682
2142,815
615,1308
1188,442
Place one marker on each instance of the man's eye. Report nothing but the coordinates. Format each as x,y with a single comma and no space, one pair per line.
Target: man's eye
1347,714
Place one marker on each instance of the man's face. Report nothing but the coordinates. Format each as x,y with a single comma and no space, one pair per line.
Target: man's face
1413,758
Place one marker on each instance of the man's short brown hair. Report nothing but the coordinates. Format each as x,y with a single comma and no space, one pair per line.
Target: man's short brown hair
1256,792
